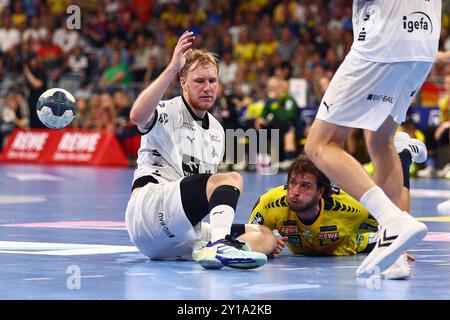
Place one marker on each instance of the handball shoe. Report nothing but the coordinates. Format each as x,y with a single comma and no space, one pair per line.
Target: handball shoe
395,237
417,148
227,252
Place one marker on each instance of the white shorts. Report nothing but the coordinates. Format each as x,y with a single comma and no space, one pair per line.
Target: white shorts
157,223
362,94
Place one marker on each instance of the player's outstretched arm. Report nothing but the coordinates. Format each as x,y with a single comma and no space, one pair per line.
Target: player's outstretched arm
260,238
145,105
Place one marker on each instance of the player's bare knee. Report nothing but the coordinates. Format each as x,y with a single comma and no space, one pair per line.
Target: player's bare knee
231,179
312,150
236,180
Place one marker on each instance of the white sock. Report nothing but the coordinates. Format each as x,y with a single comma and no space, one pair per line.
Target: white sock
379,205
221,218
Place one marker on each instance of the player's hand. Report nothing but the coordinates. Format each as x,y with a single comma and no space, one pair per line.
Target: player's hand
281,243
182,49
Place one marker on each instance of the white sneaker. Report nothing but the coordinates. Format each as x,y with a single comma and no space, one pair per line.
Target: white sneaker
239,166
285,165
444,207
227,252
428,172
395,237
400,270
444,172
417,148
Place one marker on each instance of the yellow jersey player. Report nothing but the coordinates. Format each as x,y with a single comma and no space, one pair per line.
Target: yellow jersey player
334,224
314,218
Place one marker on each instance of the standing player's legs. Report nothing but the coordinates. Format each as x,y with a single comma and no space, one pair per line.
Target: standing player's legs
363,94
387,172
324,148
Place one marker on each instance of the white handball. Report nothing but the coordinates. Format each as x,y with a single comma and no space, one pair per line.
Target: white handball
56,108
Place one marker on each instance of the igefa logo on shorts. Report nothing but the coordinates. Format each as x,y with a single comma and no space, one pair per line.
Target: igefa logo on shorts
417,21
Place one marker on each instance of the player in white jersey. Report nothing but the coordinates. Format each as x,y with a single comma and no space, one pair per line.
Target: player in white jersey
175,185
395,44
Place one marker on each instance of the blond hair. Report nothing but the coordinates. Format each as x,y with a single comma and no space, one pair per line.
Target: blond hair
197,57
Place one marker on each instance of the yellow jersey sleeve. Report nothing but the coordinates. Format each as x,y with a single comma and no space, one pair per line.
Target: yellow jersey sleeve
264,211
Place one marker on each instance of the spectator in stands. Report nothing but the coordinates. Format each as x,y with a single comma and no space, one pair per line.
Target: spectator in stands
9,35
78,63
141,55
125,129
116,74
65,38
105,113
34,33
18,16
6,78
281,112
57,7
96,70
95,31
83,118
36,80
52,57
442,133
12,116
287,45
438,137
245,49
152,70
267,44
227,69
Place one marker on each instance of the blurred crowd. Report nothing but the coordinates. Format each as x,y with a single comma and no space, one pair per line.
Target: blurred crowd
123,45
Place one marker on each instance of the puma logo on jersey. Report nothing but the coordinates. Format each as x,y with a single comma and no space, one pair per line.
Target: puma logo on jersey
327,106
218,212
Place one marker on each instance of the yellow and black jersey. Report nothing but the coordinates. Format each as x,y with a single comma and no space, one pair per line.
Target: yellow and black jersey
342,228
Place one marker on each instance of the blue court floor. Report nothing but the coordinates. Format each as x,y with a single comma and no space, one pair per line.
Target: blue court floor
62,236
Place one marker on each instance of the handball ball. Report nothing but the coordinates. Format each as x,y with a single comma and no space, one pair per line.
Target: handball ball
56,108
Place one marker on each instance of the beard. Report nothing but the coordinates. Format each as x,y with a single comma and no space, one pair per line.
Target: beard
297,207
197,103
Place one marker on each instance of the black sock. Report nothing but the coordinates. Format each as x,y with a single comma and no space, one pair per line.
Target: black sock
237,230
226,195
406,160
289,155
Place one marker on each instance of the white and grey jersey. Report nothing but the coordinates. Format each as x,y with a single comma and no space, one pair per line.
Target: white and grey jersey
178,144
396,30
